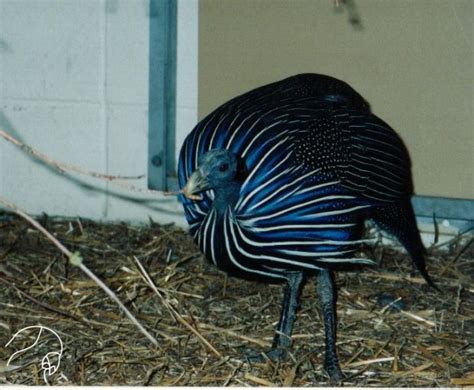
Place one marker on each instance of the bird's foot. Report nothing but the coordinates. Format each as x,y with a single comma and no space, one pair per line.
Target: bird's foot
275,355
334,372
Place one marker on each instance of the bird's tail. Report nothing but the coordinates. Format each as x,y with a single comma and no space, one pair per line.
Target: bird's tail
398,219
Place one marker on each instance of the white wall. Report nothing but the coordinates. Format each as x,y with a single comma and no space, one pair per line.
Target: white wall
74,84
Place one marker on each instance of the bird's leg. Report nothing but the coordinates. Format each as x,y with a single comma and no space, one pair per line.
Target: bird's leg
291,296
327,297
282,339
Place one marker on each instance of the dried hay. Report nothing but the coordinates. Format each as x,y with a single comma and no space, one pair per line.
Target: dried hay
429,343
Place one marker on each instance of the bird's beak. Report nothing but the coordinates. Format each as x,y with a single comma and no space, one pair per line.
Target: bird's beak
196,183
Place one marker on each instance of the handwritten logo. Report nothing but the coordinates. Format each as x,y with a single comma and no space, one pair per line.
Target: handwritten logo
47,363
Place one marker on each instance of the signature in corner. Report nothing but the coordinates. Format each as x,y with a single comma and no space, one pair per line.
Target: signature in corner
47,363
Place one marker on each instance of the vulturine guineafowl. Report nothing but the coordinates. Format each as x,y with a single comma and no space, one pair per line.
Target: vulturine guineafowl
277,185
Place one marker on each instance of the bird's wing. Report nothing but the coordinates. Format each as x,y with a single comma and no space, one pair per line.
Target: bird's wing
361,151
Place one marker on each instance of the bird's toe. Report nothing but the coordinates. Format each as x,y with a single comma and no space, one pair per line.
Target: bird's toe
335,373
274,355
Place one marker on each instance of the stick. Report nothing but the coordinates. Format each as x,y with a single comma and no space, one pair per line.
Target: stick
76,259
371,361
259,381
42,304
63,168
263,344
175,313
468,287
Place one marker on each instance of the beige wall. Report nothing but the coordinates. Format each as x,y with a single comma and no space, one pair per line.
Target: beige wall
413,61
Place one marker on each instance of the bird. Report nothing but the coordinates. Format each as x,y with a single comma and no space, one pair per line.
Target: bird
278,182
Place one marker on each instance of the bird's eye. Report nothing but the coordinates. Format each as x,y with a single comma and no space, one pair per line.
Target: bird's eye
223,167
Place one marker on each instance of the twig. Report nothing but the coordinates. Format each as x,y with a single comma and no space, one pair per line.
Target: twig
263,344
170,307
371,361
458,299
76,260
232,375
468,287
418,318
258,380
455,258
42,304
434,359
63,167
467,380
455,238
415,370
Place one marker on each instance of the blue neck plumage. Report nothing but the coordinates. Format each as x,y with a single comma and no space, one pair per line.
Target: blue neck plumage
226,196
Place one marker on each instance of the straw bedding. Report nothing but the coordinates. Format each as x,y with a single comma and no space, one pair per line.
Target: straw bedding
430,342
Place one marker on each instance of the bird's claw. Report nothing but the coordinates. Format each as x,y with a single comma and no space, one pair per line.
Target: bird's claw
334,372
274,355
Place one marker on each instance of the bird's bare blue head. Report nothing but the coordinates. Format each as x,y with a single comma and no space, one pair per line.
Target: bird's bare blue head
219,170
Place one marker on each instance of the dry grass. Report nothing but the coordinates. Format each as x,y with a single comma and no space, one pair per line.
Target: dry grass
429,343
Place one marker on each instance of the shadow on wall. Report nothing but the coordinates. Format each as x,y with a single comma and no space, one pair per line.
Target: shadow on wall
5,48
150,203
353,15
113,7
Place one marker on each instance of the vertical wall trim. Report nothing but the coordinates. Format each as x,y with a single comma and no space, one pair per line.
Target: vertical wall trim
162,93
